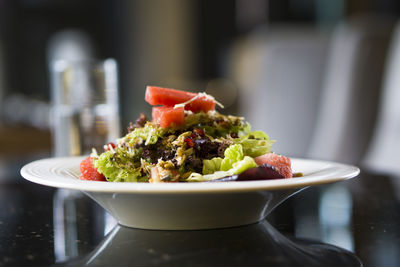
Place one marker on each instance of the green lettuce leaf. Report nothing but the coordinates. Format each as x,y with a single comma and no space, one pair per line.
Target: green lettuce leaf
197,177
255,143
211,165
207,121
233,153
148,134
118,169
237,168
246,163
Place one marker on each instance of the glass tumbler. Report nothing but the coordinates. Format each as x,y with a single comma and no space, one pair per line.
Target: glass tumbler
85,111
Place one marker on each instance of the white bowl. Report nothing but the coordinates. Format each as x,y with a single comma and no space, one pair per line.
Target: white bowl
184,206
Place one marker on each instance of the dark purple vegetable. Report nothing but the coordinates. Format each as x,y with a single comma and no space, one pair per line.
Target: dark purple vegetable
226,179
262,172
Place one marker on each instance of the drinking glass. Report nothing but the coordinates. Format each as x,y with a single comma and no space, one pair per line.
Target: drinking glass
84,115
85,110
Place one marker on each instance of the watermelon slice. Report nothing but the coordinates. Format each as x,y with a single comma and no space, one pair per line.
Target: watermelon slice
168,116
171,97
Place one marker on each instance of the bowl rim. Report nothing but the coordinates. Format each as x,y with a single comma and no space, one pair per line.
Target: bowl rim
63,172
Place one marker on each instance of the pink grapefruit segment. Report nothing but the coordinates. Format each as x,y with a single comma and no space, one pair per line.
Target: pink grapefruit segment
89,172
281,162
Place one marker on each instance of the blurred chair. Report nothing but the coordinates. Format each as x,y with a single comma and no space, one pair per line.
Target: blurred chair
351,89
2,80
383,153
279,70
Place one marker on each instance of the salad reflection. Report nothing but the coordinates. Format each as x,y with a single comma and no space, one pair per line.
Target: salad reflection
259,243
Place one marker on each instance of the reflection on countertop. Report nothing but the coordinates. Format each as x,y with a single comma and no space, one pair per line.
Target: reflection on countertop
258,244
41,226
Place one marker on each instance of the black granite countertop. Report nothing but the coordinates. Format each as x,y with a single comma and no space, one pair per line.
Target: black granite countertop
350,223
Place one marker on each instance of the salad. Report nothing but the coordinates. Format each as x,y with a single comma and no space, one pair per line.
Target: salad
187,140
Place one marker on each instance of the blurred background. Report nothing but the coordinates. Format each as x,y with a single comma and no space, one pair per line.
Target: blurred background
321,77
308,72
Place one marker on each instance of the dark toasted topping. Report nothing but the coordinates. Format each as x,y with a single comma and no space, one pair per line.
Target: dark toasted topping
140,122
222,147
157,151
195,163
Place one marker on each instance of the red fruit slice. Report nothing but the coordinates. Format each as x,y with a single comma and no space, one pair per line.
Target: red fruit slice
281,162
171,97
109,146
88,172
168,116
